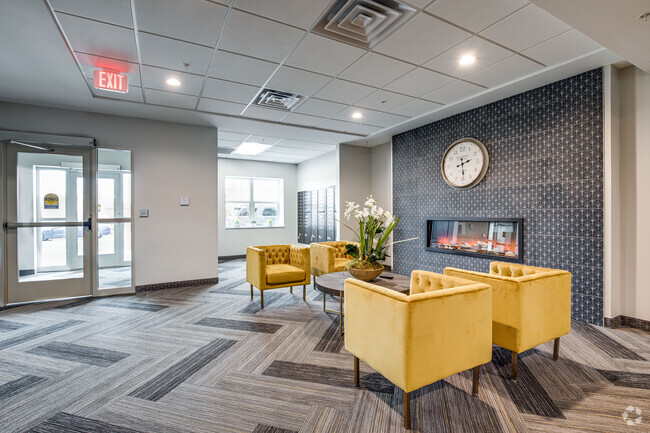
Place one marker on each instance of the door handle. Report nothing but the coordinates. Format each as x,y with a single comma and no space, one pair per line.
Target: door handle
89,224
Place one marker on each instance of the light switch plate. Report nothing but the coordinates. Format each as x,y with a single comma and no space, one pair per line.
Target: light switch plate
185,201
143,213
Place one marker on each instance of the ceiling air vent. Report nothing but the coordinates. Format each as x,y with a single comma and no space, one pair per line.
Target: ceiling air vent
364,22
276,100
224,151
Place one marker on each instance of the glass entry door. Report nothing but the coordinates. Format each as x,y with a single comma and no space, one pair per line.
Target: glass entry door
48,222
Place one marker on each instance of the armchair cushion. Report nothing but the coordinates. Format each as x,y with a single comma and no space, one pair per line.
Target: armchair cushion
340,264
281,274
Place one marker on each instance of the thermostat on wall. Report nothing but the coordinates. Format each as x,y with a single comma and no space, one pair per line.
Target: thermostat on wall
143,213
185,201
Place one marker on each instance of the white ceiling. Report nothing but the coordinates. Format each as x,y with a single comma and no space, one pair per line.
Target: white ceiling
224,52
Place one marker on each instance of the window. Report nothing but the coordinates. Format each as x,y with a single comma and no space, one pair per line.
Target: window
254,202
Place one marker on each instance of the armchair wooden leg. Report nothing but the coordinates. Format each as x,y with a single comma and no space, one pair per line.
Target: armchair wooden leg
356,371
251,292
291,290
304,292
556,349
407,410
314,282
262,299
476,371
513,372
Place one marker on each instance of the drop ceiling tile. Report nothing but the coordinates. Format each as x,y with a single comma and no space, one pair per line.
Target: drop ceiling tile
265,113
419,82
221,107
302,119
100,39
113,12
232,136
416,108
318,107
506,70
242,69
229,91
376,70
299,13
195,21
173,54
486,54
562,48
385,120
259,37
325,56
472,14
383,100
264,139
89,63
344,92
419,3
349,127
134,93
228,144
155,78
293,150
322,147
346,115
527,27
294,80
168,99
454,92
421,39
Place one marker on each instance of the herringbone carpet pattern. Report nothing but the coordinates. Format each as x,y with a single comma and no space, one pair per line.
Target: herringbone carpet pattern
207,359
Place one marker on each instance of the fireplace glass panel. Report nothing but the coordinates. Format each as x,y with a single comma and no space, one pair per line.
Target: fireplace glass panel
484,238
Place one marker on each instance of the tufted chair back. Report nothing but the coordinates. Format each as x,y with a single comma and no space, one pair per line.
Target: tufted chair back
423,281
339,248
277,254
514,270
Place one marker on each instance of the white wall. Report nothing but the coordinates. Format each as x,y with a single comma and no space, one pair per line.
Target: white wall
320,172
170,161
233,242
635,199
354,181
381,181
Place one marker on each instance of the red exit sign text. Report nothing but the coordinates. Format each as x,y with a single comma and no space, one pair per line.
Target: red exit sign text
110,80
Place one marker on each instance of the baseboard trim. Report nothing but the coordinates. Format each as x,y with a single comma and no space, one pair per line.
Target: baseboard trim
176,284
227,258
626,321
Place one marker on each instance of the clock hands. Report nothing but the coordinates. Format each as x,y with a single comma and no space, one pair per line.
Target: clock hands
461,165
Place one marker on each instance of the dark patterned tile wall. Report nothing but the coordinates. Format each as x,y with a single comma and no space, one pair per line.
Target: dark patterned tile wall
546,166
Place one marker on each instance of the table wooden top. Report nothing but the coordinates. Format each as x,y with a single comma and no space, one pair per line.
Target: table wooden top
334,283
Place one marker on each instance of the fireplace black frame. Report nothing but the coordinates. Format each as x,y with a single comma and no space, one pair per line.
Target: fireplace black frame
520,236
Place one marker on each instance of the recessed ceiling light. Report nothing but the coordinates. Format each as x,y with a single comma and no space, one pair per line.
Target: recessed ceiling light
467,60
250,148
173,82
357,115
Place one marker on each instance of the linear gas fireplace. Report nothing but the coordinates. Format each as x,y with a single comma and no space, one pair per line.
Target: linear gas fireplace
479,237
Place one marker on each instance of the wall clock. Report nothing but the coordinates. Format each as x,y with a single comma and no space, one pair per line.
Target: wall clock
465,163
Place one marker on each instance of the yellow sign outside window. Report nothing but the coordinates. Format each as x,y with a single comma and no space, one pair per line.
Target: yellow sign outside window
51,201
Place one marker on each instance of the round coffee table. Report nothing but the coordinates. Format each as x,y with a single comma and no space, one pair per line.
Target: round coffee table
334,285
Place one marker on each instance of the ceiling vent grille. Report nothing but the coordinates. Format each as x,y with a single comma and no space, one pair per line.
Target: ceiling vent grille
364,23
276,100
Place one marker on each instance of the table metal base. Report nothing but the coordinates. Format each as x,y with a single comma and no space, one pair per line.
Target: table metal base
340,312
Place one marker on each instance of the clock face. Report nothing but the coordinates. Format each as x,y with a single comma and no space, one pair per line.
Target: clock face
465,163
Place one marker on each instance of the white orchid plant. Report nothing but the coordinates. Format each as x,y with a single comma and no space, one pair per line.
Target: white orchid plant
375,227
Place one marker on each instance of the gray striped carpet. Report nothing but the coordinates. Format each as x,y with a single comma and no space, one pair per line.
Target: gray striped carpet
207,359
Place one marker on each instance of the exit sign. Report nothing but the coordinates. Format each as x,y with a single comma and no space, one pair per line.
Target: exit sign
110,80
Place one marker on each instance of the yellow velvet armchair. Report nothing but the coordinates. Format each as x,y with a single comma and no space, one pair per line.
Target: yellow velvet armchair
441,328
328,257
530,305
274,266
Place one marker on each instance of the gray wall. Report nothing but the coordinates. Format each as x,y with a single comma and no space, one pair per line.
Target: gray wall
546,166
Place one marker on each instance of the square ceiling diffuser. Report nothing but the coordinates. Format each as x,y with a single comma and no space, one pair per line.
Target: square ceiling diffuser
364,23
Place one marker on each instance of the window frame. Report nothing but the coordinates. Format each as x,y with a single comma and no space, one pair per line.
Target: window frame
252,202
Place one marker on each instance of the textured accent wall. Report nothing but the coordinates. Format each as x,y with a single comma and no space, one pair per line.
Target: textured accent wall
546,166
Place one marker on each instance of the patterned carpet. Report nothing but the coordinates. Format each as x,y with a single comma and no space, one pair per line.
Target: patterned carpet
207,359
